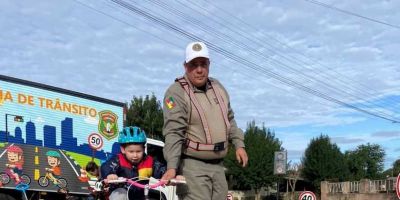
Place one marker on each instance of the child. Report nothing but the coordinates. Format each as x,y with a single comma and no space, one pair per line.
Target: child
132,162
93,169
53,159
15,162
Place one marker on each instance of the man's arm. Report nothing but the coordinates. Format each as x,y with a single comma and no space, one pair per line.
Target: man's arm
175,124
236,137
175,112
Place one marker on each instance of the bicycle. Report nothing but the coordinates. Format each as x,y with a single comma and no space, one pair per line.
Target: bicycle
44,181
132,182
7,175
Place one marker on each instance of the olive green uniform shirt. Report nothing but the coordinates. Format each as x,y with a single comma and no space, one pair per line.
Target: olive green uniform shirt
181,121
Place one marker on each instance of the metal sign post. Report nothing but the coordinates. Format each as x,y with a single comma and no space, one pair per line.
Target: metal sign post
95,142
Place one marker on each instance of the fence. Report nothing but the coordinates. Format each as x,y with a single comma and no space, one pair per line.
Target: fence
363,190
374,186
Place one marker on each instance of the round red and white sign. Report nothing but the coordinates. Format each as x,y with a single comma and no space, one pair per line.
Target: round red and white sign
95,141
307,195
398,186
229,196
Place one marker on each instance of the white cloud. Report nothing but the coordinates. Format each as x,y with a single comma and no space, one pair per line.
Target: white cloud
64,44
91,120
39,120
347,140
386,134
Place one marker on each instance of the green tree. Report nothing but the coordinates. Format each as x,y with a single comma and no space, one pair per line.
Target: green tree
388,173
396,167
367,161
260,146
146,113
323,161
293,174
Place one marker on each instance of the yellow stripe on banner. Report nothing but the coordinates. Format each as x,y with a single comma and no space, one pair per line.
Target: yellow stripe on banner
37,174
36,160
36,149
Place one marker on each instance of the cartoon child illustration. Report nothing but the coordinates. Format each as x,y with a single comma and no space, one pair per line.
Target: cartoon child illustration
53,159
15,162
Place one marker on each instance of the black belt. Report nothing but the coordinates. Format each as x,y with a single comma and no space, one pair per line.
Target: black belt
209,161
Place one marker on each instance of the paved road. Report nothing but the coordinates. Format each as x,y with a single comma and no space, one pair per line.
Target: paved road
35,164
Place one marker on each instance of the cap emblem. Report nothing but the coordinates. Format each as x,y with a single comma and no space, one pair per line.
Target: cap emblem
196,47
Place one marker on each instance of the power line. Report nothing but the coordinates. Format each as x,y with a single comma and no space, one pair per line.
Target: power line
242,72
351,13
250,49
245,26
249,64
241,60
122,21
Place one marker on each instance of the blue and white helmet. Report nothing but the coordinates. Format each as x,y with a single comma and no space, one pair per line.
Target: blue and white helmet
132,134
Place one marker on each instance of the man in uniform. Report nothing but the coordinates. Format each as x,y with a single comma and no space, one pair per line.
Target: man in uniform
198,125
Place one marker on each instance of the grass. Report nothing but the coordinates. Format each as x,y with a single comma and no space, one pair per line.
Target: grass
82,160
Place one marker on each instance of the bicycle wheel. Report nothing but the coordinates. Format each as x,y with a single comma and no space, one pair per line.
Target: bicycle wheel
156,195
4,178
43,181
62,183
25,179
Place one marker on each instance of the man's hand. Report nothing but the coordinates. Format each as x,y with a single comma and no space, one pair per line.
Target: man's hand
169,174
241,156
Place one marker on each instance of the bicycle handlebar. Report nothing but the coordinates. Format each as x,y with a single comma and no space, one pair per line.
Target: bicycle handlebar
152,186
99,186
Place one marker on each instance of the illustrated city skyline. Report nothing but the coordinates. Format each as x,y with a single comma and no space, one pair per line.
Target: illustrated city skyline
68,141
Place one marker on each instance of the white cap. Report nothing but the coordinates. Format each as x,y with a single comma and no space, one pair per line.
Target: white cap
195,50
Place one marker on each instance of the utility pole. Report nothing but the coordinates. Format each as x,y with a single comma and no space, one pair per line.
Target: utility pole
277,187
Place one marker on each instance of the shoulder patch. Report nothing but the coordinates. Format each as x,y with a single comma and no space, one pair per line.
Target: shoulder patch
170,102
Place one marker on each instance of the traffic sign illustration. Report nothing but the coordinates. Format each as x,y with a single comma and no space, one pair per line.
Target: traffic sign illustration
95,141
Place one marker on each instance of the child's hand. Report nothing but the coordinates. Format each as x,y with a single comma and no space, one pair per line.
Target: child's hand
112,177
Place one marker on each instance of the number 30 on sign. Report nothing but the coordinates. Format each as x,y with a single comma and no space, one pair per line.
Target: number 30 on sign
307,195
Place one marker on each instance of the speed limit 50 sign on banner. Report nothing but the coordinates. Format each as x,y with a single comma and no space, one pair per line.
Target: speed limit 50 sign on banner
95,141
307,195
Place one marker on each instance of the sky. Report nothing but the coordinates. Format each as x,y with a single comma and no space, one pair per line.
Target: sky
308,63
